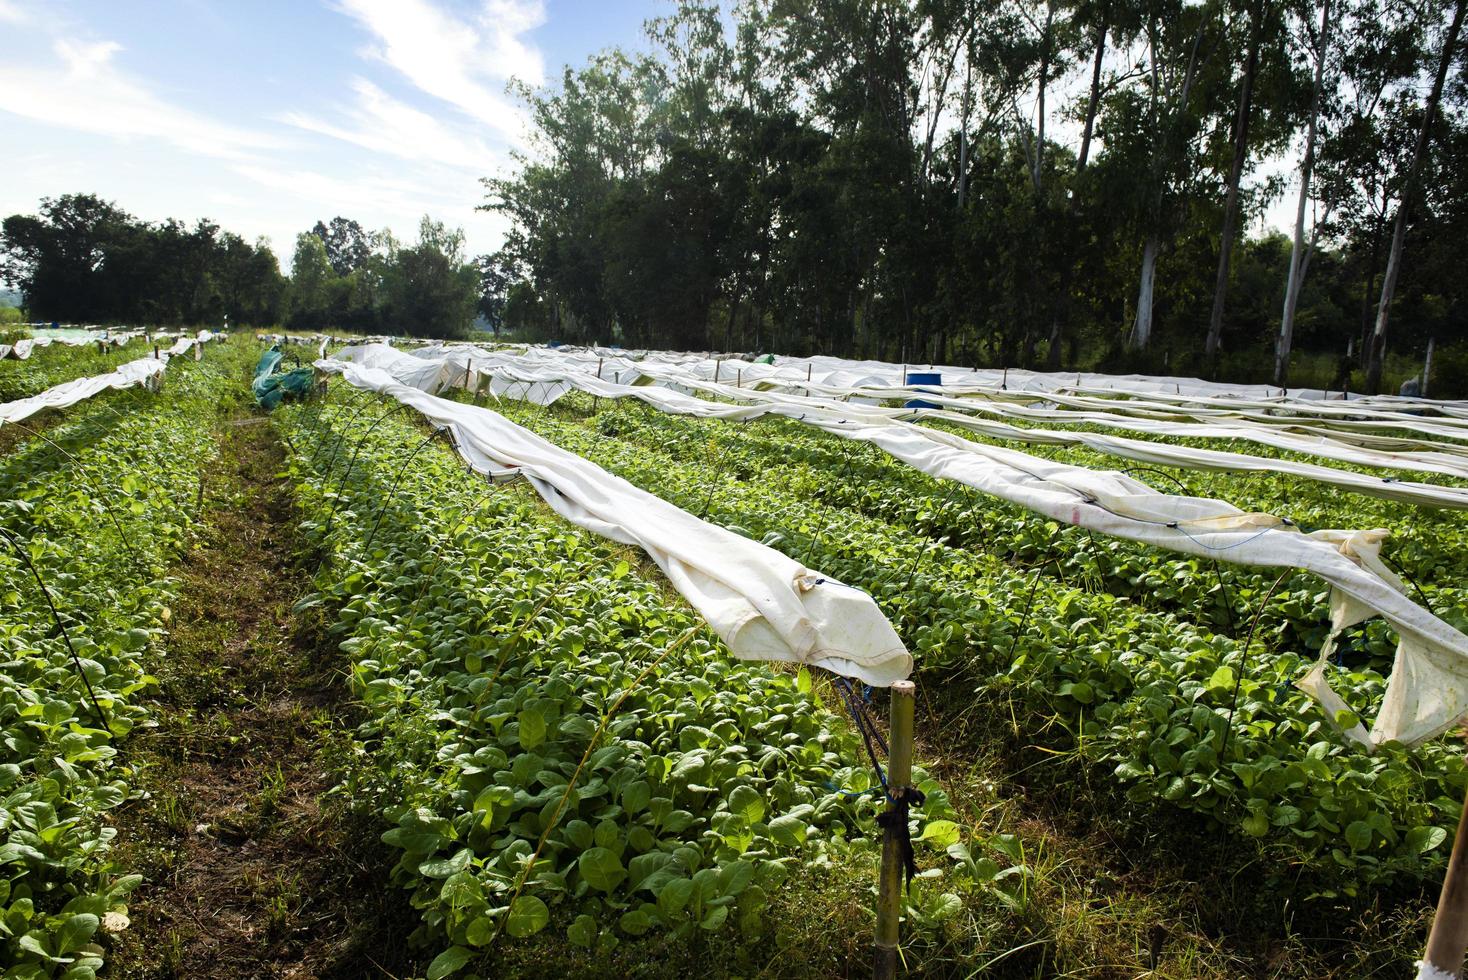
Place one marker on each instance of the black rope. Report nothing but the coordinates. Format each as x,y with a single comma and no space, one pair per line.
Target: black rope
895,821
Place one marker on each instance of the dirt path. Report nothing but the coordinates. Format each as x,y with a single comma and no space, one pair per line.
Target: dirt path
251,872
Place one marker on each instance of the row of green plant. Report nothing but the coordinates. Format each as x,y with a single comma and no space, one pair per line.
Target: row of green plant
1427,545
558,744
98,512
1183,716
1426,542
50,366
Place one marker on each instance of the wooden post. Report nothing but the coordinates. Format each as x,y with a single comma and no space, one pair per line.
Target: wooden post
889,886
807,374
717,362
598,368
739,377
156,355
1004,382
1448,940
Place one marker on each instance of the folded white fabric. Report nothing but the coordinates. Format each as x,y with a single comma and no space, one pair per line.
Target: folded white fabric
762,604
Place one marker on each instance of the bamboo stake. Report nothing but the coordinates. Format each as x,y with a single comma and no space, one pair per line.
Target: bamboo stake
1448,940
889,888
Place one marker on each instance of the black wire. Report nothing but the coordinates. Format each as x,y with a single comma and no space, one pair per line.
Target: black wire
65,635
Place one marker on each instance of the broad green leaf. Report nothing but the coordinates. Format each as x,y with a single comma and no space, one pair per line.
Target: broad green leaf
635,922
748,804
532,728
528,915
941,833
1424,839
601,869
674,896
449,962
582,932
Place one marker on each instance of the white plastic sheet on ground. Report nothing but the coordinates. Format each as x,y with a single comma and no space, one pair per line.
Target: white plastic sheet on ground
1428,688
762,604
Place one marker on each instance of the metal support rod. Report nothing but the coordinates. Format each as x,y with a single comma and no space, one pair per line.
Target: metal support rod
889,888
1448,940
25,559
392,490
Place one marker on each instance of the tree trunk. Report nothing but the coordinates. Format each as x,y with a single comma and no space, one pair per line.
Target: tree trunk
1231,200
1141,334
1368,288
1040,102
1142,326
1375,354
1297,247
1095,99
963,137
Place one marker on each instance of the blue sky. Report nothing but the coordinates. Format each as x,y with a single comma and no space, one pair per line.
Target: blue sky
267,115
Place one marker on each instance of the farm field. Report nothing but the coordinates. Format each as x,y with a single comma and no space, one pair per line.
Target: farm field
300,693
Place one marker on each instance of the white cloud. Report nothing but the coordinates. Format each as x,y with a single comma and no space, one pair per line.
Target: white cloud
384,124
85,90
10,13
461,62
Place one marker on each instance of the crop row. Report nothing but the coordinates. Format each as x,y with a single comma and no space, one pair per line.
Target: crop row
1144,693
50,366
1427,543
98,512
1219,596
552,737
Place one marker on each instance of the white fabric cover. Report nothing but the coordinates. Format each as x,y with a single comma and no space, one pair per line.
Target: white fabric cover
764,605
1428,688
1427,971
141,371
68,393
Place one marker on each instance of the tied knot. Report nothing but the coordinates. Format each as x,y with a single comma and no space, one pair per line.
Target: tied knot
895,822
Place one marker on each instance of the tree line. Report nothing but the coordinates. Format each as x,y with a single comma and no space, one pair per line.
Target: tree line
84,260
1049,183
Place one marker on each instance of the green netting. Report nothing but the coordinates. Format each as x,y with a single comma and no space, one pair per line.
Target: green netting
272,387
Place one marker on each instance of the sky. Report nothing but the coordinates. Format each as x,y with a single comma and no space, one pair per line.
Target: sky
266,116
